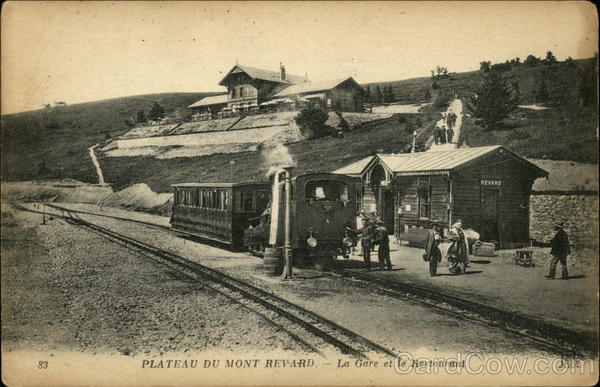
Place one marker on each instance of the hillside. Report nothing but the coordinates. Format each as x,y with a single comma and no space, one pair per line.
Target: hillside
51,144
54,141
561,79
325,154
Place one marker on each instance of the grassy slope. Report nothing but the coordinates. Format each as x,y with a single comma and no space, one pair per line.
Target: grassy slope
324,154
560,133
60,137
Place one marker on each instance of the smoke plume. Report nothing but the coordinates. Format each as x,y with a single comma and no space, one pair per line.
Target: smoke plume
277,157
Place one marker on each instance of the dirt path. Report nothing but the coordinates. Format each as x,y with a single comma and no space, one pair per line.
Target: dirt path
456,107
97,165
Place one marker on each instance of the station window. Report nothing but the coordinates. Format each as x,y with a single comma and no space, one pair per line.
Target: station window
424,203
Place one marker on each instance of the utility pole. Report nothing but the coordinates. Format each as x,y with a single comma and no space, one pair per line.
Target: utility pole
414,141
231,164
287,247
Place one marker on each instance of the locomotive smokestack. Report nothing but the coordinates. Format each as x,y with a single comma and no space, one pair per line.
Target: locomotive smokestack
287,271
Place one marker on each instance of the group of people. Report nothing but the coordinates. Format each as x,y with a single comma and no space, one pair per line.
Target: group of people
444,133
458,251
371,234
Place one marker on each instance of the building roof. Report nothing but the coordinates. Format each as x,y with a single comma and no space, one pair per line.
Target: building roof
206,101
266,75
310,87
433,163
220,185
356,168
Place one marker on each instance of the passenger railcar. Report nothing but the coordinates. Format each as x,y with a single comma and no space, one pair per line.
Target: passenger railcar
218,211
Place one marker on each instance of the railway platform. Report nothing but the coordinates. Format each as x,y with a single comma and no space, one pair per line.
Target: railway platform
499,282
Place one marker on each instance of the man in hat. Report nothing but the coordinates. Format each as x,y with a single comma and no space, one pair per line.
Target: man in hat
383,251
433,254
367,235
560,250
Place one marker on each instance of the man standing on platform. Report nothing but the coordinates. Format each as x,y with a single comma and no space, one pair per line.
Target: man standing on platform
560,250
367,236
383,250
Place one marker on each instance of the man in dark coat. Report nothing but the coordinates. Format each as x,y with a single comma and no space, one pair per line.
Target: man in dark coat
433,255
367,236
450,134
436,135
383,252
560,250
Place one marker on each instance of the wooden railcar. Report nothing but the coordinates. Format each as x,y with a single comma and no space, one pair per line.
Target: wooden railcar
218,211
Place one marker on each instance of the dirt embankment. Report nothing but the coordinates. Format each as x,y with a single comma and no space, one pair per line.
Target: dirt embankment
70,191
140,197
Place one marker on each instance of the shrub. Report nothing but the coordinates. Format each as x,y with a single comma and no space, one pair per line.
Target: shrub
311,121
442,99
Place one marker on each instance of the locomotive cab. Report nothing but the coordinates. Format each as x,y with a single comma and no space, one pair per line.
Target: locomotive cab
323,205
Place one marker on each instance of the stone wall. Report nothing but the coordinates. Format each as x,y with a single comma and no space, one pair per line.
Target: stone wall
578,211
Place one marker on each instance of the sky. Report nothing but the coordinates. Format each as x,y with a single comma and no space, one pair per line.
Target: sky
84,51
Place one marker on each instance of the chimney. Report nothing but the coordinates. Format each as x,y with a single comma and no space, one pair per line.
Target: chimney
282,68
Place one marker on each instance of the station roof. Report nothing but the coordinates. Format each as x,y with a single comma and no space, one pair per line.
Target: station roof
218,185
433,163
207,101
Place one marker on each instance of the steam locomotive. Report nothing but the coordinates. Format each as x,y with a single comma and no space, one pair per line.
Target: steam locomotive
252,216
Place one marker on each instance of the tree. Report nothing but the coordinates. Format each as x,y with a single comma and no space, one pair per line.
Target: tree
588,83
485,66
378,95
435,85
570,62
442,99
388,94
531,61
541,94
156,112
493,101
427,95
141,117
368,97
311,121
550,58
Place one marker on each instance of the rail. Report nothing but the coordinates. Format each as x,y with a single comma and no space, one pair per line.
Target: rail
344,340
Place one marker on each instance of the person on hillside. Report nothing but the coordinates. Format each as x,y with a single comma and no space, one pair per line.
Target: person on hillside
433,255
442,135
367,235
450,134
458,252
560,250
383,251
437,133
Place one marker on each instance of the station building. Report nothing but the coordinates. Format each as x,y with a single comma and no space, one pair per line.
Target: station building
250,87
488,188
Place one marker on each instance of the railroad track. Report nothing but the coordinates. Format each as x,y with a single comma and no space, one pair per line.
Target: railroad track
548,336
313,331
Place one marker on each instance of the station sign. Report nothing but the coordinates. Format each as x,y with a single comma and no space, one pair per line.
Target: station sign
494,183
